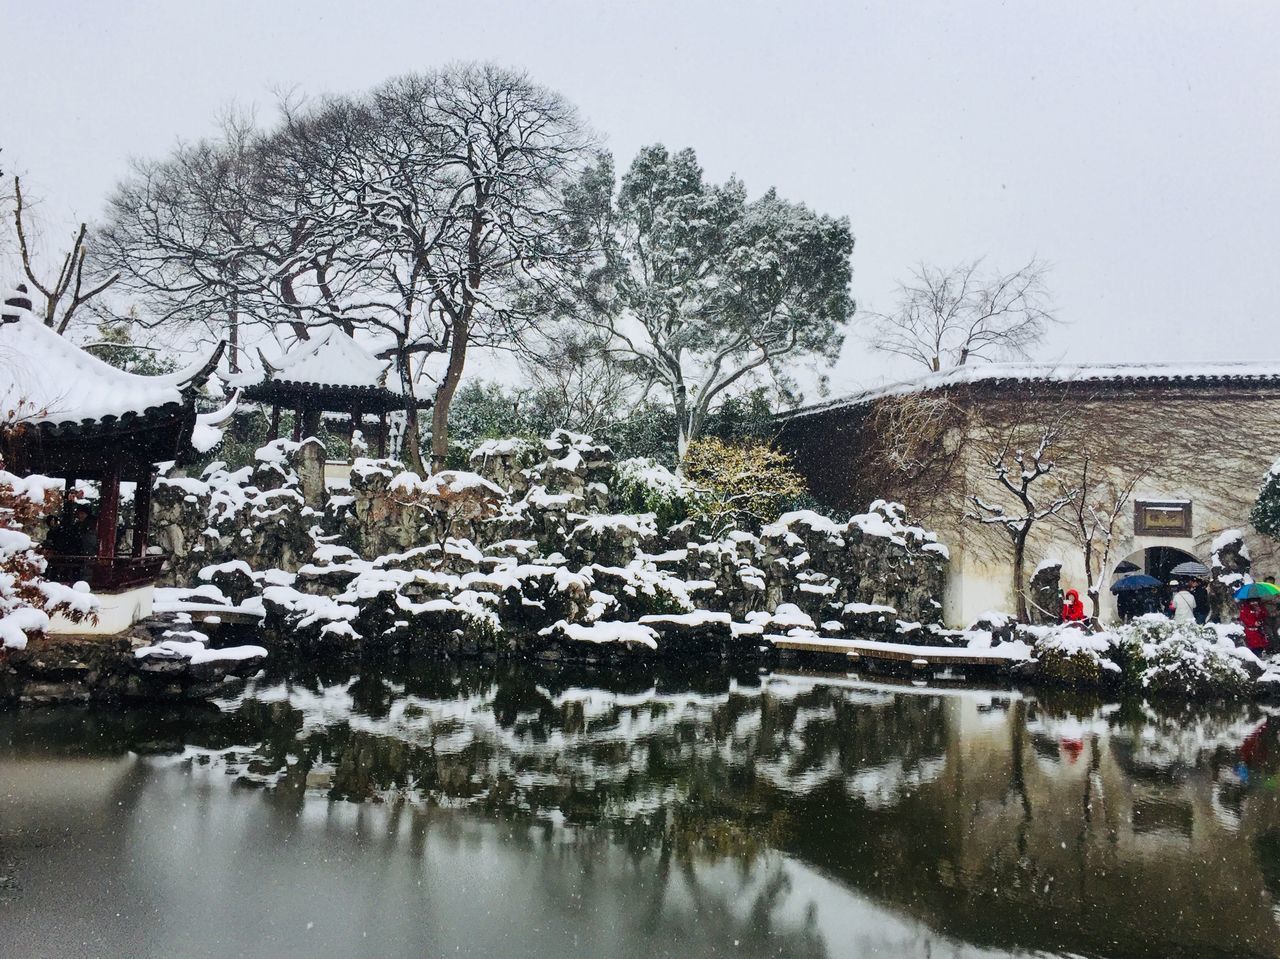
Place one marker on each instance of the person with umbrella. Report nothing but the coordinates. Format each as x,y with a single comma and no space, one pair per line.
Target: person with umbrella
1253,614
1135,594
1183,606
1195,573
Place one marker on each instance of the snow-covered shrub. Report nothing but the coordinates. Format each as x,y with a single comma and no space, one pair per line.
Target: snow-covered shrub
1197,662
644,485
1152,654
1071,656
739,485
27,599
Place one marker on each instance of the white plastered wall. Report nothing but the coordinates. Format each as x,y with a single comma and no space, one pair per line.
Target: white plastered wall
117,613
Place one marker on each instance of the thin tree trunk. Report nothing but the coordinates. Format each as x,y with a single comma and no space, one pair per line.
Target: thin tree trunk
1020,575
680,400
233,333
411,447
444,396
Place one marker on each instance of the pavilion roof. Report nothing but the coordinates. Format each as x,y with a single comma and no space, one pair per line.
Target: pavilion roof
48,380
330,370
331,358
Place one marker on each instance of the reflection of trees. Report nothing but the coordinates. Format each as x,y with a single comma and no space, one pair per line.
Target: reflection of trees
1050,823
685,904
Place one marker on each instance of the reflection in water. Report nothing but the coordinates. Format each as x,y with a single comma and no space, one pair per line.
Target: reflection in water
513,810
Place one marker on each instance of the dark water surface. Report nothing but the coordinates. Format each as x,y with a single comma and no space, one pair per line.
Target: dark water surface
526,812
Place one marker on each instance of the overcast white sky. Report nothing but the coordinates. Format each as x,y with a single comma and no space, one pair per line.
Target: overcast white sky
1132,145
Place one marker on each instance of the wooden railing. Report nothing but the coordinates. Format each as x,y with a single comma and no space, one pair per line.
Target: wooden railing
113,575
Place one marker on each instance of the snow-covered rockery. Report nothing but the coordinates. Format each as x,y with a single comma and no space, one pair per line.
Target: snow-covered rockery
534,550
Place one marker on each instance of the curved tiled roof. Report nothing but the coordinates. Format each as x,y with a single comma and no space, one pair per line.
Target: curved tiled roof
46,379
1112,374
330,359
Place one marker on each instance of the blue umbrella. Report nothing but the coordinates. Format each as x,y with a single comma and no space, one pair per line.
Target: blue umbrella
1136,581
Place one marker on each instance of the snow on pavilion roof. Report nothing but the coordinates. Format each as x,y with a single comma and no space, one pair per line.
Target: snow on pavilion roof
1169,374
46,379
330,359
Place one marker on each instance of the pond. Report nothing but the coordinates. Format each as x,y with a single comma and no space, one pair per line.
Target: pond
517,810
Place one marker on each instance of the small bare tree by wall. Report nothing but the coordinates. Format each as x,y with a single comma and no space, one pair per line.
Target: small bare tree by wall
951,317
1096,514
1017,473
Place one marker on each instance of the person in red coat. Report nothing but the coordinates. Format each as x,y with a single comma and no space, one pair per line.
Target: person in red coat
1253,617
1072,608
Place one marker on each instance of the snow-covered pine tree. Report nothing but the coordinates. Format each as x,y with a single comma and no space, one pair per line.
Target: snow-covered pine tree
1266,511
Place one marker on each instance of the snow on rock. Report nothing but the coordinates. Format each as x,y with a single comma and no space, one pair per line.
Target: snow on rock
459,561
193,647
1045,565
1224,539
635,634
789,616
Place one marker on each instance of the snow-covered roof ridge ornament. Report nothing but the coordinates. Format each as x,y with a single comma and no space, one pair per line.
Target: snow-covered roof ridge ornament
15,305
1258,372
47,380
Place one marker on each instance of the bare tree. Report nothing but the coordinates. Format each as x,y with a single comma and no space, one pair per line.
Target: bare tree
427,213
68,290
1017,474
178,233
914,451
951,317
574,380
1097,506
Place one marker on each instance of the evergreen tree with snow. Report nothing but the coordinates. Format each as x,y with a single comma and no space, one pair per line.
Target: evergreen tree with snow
1266,511
703,292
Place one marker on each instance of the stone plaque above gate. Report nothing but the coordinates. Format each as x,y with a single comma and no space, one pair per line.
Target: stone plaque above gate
1162,517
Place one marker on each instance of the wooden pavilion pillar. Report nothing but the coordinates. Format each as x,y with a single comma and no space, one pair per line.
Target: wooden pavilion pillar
275,422
382,435
297,424
356,427
109,509
142,510
68,506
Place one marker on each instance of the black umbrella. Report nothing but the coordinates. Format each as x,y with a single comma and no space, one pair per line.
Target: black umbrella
1192,568
1127,567
1137,581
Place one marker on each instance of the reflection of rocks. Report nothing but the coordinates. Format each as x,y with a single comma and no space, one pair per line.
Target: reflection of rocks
1011,823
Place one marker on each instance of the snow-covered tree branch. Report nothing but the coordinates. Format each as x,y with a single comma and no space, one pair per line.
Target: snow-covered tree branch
700,290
